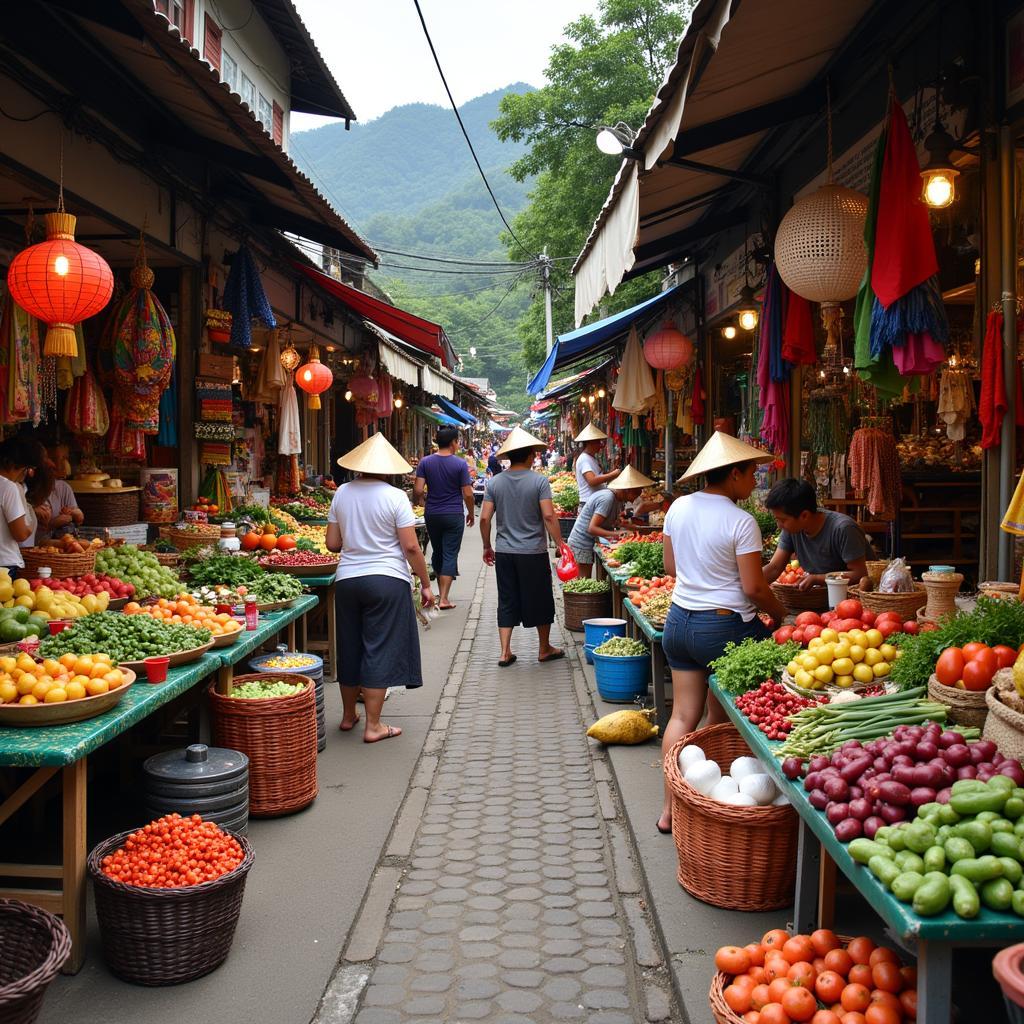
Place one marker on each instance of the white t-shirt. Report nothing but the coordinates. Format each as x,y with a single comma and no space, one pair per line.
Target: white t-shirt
586,463
12,506
368,513
707,532
30,517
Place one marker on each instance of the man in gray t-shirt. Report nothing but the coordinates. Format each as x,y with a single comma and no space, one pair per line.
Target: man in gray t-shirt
516,496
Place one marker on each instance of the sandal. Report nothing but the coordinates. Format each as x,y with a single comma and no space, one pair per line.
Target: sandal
505,662
390,734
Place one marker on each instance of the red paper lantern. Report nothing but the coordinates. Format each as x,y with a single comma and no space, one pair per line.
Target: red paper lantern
60,282
364,389
668,348
314,377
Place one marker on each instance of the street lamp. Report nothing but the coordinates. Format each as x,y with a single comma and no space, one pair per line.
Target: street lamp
747,313
939,174
729,332
618,140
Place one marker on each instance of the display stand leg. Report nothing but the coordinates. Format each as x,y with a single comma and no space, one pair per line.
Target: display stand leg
805,903
75,855
934,978
332,633
225,679
658,674
827,891
291,634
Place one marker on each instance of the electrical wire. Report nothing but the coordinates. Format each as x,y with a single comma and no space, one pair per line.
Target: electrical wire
25,120
492,310
465,134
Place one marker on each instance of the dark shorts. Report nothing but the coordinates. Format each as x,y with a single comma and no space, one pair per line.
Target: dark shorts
692,640
378,642
445,532
524,590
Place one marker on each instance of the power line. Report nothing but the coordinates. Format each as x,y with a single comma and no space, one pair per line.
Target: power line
492,310
465,134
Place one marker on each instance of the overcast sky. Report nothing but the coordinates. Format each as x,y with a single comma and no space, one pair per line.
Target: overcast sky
380,58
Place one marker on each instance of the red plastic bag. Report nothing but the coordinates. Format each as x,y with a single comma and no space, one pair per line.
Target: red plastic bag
567,569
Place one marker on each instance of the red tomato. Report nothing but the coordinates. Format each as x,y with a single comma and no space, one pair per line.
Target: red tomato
887,977
883,953
949,669
839,960
912,627
849,609
744,981
909,976
759,997
751,1017
827,617
802,974
972,650
732,960
978,674
798,949
824,941
776,967
798,635
826,1017
1005,656
876,1014
775,939
773,1013
756,954
778,988
737,999
812,631
868,617
908,1001
852,1017
808,619
829,986
756,973
799,1004
987,657
887,999
929,627
888,627
819,964
855,998
783,634
860,974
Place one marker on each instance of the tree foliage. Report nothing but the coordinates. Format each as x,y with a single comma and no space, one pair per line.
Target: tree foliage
607,71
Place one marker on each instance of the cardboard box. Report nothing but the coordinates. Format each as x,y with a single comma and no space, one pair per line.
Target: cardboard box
219,368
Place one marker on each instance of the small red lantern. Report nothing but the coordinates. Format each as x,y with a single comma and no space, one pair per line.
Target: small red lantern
364,389
60,282
314,377
668,348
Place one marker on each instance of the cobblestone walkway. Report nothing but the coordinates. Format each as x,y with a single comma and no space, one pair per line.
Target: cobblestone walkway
508,911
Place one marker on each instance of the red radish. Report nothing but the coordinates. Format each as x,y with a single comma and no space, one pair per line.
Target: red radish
911,627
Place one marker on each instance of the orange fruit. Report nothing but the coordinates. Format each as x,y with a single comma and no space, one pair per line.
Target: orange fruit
94,687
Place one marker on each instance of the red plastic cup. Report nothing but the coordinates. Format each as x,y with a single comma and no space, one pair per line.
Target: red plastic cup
156,668
57,626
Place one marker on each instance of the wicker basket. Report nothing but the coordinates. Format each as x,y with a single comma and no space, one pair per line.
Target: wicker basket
966,707
278,736
905,605
740,858
941,588
166,936
1004,726
875,569
565,525
169,558
200,534
795,600
110,508
33,946
585,606
62,565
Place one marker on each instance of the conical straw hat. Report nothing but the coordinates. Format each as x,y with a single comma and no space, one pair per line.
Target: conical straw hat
518,440
375,455
724,450
591,433
629,479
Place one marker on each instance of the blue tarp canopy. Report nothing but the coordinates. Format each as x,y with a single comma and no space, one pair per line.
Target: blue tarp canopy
596,338
438,417
452,409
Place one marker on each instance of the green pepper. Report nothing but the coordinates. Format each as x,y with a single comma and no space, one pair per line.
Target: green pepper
997,894
905,884
1014,807
976,802
948,816
919,835
862,850
907,860
1006,844
965,897
935,859
884,869
933,894
977,833
1012,870
981,869
968,786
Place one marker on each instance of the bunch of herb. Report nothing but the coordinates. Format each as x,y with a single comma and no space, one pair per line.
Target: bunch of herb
747,665
646,559
229,570
567,499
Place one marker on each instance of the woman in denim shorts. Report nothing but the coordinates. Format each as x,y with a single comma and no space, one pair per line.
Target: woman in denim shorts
713,548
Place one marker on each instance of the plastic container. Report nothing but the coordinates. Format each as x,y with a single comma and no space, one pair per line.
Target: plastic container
838,588
44,572
622,680
57,626
1008,968
596,631
156,668
252,614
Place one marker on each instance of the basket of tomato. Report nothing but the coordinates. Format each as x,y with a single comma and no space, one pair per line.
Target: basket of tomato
792,596
963,675
168,897
786,978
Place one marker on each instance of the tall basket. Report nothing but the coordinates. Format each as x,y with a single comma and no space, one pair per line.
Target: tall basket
33,947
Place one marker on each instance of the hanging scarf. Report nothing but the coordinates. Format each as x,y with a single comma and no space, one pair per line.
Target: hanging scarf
798,332
697,412
245,299
993,403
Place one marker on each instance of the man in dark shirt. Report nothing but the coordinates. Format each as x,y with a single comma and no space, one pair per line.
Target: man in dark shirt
493,465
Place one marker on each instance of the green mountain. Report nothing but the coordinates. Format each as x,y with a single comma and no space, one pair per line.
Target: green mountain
407,182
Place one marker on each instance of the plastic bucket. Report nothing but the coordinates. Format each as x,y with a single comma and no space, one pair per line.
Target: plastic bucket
1007,968
596,631
622,680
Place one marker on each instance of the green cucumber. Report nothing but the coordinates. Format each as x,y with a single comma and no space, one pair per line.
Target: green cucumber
905,884
979,870
907,860
862,850
935,859
1006,844
884,869
996,894
933,894
966,903
1012,870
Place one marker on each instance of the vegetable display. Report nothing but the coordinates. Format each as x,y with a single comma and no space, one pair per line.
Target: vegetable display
656,608
747,665
849,615
123,637
769,707
621,647
230,570
273,587
80,586
566,500
282,559
582,585
186,610
289,661
26,681
139,568
792,574
263,689
843,659
174,852
645,559
19,622
972,666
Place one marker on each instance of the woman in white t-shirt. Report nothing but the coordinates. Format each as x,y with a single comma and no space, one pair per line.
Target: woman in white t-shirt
590,478
372,525
15,462
713,548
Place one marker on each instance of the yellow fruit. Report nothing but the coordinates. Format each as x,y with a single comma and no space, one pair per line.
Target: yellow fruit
814,643
872,656
75,691
25,683
806,680
823,673
829,636
56,695
8,692
888,652
808,662
843,667
874,638
6,591
842,649
102,600
8,664
792,668
27,699
41,689
825,654
863,673
25,600
83,665
856,653
52,668
89,603
94,687
21,587
81,679
843,681
881,669
858,636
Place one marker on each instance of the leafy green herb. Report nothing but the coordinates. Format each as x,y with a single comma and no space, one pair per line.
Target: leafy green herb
747,665
568,499
765,520
646,558
229,570
582,585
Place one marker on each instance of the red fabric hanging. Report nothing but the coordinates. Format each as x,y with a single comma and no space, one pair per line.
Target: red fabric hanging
697,402
904,255
798,332
993,403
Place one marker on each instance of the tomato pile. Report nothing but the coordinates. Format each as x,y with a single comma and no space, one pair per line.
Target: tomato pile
173,852
972,666
769,707
848,615
647,589
92,583
792,574
782,979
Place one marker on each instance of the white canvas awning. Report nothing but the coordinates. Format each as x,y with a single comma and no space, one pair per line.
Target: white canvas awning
398,365
436,383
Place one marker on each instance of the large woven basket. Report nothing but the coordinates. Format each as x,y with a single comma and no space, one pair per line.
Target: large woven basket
875,569
169,558
740,858
965,707
110,508
278,735
201,534
166,936
795,600
1004,726
62,565
585,606
905,605
33,946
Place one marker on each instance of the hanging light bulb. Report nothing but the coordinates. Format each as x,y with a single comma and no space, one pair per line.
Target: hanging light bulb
729,332
747,314
398,402
290,357
583,401
348,396
939,174
601,392
591,400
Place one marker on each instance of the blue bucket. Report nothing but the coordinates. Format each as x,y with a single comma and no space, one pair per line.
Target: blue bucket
622,680
596,631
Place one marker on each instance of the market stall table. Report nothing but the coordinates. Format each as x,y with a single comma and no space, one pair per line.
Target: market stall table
615,577
931,939
329,646
658,664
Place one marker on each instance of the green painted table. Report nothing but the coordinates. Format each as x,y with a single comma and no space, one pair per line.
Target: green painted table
653,635
615,577
932,939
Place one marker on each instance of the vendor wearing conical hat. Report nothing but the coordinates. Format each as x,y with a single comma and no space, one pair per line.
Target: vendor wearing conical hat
713,548
590,477
599,517
372,525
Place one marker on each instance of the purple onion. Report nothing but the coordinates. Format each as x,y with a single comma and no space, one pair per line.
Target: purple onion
948,738
818,800
872,825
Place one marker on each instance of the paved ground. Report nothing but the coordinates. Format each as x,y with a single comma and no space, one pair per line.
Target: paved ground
507,906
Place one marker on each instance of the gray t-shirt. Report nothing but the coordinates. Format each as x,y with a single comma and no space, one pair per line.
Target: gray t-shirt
839,542
602,503
517,494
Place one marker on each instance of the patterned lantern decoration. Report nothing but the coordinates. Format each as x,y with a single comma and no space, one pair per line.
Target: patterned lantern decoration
364,390
668,348
819,247
60,282
290,357
314,377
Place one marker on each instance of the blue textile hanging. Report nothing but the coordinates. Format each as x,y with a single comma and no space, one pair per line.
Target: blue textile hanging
774,318
245,299
167,435
920,311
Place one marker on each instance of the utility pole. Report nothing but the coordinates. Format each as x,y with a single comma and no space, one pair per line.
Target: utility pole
545,272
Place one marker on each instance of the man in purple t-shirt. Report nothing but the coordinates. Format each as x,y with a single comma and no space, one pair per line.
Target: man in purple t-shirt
445,478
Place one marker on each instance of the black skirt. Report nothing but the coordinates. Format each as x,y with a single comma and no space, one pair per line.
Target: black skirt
524,590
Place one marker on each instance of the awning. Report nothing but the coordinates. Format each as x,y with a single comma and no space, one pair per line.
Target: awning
453,410
497,428
570,386
434,383
438,417
413,330
741,70
397,363
597,338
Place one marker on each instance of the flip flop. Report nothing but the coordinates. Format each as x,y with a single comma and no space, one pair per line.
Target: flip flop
392,733
552,657
349,728
506,662
663,831
446,607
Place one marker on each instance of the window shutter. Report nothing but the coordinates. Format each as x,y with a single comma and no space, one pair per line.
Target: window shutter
278,124
211,42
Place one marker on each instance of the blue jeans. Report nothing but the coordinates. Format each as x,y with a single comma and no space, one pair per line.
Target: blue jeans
692,640
445,532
